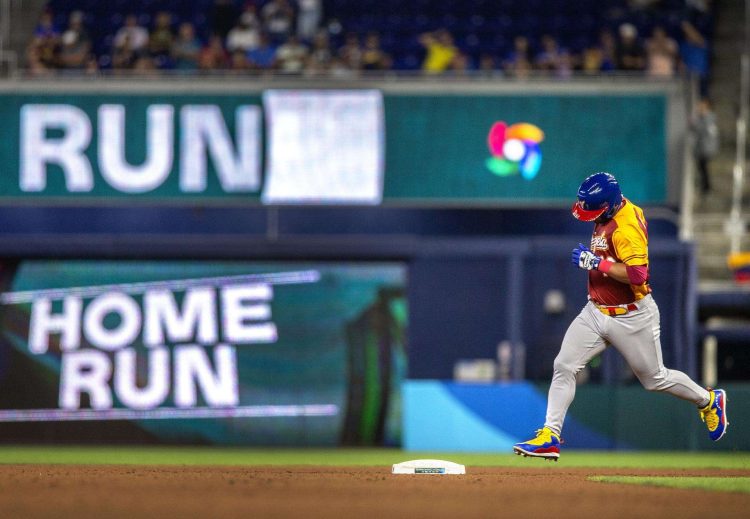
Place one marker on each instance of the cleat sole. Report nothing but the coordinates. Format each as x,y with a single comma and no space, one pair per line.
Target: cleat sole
527,454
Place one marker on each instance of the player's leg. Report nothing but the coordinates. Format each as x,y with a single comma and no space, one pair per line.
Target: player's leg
637,337
582,342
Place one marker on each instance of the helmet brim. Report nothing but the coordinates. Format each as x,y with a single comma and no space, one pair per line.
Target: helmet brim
586,215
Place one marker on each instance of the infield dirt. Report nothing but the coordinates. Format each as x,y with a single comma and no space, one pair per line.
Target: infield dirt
79,491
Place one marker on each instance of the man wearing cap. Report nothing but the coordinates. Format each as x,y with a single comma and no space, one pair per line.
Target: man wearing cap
620,312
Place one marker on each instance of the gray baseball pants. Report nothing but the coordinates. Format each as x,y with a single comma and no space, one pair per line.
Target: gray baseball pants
636,336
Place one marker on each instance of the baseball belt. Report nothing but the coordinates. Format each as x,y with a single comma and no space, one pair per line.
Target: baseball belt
614,311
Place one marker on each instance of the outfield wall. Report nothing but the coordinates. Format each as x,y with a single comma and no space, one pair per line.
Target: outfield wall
445,416
287,352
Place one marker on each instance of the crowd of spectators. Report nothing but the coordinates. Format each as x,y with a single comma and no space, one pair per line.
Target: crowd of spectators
291,37
656,55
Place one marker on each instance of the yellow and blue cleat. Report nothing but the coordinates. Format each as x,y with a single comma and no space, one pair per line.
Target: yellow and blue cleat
715,414
545,445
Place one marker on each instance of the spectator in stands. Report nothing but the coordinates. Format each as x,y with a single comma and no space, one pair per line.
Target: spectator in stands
144,65
488,65
161,39
373,56
136,35
309,16
706,133
338,69
262,57
213,56
661,52
34,62
124,56
630,53
278,18
291,56
548,58
694,54
592,60
186,48
320,57
42,51
440,51
91,68
245,36
460,65
608,46
75,43
45,28
566,63
223,16
238,62
350,52
518,61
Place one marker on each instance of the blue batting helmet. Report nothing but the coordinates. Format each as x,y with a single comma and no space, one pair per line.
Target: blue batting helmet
598,196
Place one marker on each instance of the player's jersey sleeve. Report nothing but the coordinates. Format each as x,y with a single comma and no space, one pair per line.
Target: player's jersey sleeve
630,239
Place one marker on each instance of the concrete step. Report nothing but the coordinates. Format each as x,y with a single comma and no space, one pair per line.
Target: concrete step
717,248
712,243
708,275
714,271
719,200
716,263
717,242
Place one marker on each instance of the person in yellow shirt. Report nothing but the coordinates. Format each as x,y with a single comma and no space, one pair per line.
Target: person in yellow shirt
441,51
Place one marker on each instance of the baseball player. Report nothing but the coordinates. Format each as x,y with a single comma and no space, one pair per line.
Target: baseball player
620,312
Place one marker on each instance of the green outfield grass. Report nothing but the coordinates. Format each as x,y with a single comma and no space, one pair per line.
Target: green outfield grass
359,457
727,484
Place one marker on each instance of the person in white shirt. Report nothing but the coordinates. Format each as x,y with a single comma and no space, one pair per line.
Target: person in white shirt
245,36
134,34
278,17
291,56
309,16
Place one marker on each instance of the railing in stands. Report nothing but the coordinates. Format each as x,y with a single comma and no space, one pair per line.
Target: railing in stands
687,195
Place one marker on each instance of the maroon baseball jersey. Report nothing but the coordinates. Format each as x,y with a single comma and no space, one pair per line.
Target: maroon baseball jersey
623,239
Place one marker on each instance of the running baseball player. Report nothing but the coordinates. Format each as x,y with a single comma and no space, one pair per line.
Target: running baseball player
620,312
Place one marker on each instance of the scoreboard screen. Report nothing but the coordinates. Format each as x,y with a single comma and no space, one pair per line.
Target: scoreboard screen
221,352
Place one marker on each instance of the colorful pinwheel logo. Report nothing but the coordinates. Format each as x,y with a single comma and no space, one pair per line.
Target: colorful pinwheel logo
515,149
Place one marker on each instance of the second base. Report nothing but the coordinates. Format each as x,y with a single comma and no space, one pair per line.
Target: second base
428,467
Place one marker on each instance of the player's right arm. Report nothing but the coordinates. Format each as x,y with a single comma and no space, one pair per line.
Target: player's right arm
585,259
